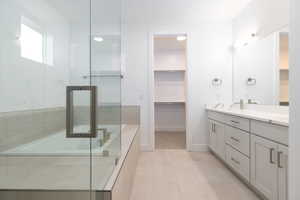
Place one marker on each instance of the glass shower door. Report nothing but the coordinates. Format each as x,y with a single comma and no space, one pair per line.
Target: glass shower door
60,108
106,76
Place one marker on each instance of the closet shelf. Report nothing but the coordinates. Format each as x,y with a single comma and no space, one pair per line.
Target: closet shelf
169,101
170,69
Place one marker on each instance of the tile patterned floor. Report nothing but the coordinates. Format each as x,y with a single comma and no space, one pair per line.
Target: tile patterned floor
170,140
182,175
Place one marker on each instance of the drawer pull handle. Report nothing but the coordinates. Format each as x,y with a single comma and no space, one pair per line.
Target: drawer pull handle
235,122
279,160
234,160
235,139
271,155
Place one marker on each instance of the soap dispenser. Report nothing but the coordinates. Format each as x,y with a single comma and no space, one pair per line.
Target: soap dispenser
242,104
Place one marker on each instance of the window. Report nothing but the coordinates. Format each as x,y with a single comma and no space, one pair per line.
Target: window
35,44
31,44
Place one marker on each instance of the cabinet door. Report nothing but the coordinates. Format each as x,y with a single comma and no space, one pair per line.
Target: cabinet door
212,136
264,167
220,140
282,163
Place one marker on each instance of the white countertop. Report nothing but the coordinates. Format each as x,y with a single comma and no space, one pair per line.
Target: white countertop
279,118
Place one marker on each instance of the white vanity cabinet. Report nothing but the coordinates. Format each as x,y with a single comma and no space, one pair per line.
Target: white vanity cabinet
229,140
282,156
264,167
256,150
238,139
238,162
217,138
269,168
212,140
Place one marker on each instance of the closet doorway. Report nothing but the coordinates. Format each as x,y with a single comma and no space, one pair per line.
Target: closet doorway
169,85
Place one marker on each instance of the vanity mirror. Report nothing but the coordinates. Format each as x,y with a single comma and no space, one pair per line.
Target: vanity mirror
261,70
261,55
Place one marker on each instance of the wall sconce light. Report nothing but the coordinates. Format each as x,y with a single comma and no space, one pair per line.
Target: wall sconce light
181,38
251,81
217,82
242,42
98,39
253,35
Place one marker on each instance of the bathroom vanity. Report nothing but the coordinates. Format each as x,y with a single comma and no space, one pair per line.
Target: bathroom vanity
254,145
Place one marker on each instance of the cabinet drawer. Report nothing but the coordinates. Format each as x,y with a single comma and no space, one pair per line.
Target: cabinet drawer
238,122
238,139
273,132
216,116
238,162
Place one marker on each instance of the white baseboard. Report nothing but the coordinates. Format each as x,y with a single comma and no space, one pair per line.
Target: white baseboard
193,148
199,148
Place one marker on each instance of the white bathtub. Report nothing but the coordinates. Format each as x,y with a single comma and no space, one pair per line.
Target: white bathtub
58,145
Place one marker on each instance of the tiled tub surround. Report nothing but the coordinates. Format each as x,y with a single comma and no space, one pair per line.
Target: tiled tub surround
61,172
110,114
57,144
21,127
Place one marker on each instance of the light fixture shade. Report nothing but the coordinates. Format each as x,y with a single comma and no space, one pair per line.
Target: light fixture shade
98,39
181,38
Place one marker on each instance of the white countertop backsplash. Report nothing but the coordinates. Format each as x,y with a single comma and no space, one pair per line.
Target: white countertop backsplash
278,115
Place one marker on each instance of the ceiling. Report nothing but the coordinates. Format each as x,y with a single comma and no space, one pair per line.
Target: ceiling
105,11
108,11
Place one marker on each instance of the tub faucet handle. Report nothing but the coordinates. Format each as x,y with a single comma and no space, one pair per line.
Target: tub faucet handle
102,129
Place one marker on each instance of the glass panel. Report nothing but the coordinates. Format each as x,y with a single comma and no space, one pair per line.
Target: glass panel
81,111
35,154
106,75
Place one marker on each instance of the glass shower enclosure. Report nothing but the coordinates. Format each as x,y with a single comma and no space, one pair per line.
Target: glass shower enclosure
60,97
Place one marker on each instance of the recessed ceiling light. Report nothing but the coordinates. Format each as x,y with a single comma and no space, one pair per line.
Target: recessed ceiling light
181,38
98,39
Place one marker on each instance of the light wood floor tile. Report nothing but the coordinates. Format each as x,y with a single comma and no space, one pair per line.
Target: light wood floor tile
182,175
170,140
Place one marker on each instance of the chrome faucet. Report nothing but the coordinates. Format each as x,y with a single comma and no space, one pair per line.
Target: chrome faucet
251,101
219,104
105,137
241,103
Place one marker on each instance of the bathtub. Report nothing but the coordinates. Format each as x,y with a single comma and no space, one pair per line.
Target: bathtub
58,145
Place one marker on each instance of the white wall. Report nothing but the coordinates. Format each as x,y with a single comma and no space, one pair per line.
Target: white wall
210,38
25,84
294,128
175,58
105,58
170,117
